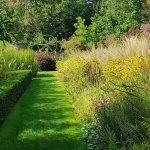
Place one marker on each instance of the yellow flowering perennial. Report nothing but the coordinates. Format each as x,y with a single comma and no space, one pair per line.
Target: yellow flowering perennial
73,68
125,68
71,65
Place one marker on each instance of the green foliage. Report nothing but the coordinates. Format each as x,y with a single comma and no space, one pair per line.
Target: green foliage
146,12
114,18
126,119
41,44
72,45
144,146
41,24
64,16
85,33
6,22
91,136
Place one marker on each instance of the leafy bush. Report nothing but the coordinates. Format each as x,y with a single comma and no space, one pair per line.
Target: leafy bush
110,87
91,136
72,45
47,61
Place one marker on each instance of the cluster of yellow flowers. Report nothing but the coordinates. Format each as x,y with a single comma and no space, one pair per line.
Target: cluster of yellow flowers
125,68
70,65
120,69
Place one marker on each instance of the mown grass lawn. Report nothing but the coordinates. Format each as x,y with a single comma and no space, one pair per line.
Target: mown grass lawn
42,119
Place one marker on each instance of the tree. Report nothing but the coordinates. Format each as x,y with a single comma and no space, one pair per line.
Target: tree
35,20
114,18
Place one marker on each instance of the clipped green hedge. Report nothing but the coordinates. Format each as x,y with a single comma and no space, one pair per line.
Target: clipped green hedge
11,90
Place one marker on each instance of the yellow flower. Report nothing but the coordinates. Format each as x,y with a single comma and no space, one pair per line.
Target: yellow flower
126,67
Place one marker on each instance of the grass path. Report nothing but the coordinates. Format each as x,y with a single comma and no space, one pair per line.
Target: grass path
42,119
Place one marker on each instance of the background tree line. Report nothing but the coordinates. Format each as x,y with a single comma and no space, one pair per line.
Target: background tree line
41,24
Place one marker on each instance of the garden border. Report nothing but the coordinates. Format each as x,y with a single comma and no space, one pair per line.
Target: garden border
11,97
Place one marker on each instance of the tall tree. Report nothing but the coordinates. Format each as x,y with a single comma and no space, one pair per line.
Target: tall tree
39,21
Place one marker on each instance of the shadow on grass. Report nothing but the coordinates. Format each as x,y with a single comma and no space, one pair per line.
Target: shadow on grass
42,120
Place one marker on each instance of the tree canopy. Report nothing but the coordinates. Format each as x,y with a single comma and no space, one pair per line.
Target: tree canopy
38,21
42,23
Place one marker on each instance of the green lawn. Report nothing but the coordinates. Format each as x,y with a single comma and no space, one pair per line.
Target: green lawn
42,119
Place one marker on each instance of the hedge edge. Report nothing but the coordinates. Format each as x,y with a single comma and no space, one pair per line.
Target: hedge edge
8,101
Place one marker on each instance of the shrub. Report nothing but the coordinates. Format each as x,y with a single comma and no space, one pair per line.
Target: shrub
47,61
72,46
90,136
